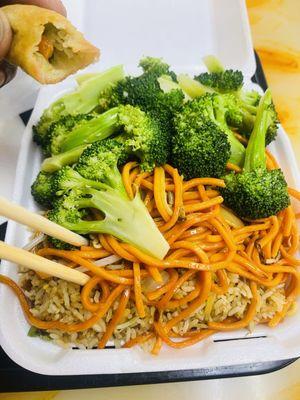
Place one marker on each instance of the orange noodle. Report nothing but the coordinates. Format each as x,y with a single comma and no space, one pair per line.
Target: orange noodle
206,248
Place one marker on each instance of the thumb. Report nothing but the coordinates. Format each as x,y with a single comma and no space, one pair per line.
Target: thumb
5,35
6,70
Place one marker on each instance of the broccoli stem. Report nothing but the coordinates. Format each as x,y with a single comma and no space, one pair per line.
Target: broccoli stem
98,128
237,150
213,64
167,84
125,219
192,87
86,97
58,161
80,79
81,101
255,157
237,154
67,178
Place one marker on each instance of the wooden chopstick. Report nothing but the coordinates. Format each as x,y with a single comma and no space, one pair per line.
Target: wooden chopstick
39,223
41,264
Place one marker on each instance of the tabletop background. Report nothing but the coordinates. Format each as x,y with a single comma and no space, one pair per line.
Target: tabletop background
275,26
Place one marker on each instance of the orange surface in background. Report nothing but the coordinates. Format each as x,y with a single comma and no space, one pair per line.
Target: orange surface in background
275,26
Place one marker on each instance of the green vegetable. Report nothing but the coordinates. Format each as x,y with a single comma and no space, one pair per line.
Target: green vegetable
35,332
256,192
60,129
126,219
83,100
229,83
85,131
56,162
157,67
192,87
200,151
211,107
47,186
145,92
140,134
41,189
218,78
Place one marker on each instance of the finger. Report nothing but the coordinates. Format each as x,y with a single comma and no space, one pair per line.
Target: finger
55,5
5,35
7,72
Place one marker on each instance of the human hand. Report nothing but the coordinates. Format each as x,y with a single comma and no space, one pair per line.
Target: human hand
8,71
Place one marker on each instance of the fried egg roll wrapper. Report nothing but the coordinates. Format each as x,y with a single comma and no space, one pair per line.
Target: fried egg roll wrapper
46,45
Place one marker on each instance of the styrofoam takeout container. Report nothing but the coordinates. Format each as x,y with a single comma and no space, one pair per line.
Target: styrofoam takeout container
181,32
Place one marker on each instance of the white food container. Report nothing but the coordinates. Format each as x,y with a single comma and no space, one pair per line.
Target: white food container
181,32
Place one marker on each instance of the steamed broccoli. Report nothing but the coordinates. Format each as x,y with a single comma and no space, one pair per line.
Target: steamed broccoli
73,131
59,129
125,219
103,159
218,78
83,100
192,87
157,67
41,189
256,192
140,134
228,81
145,92
244,119
47,187
56,162
200,149
223,82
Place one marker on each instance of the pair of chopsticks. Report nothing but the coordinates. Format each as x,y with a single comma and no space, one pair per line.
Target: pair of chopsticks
32,261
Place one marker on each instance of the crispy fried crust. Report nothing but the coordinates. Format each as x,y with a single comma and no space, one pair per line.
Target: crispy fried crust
28,24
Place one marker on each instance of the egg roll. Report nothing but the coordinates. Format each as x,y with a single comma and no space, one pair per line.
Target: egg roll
45,44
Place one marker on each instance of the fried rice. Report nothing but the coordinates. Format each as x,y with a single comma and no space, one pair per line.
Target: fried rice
55,299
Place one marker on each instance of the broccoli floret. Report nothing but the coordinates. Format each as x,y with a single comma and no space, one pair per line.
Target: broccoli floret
140,135
85,130
41,189
242,110
81,101
223,82
219,79
101,161
142,139
200,149
157,67
123,218
58,131
256,192
47,186
213,107
242,115
145,92
67,179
